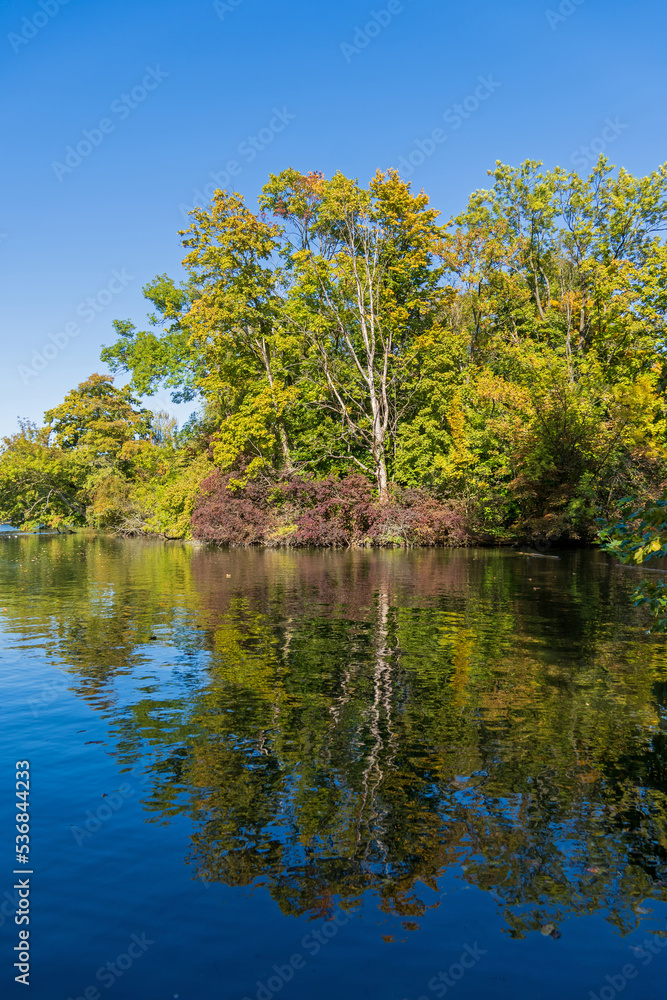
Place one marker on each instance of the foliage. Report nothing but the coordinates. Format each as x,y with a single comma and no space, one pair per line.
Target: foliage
40,484
229,512
561,309
158,358
333,512
247,357
363,294
103,461
99,420
169,499
413,517
638,537
507,366
298,511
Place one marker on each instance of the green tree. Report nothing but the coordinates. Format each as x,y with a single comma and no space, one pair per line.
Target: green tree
38,483
163,355
639,536
249,358
101,419
363,295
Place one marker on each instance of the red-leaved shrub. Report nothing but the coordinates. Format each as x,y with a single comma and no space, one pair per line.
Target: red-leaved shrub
321,512
332,512
413,517
239,516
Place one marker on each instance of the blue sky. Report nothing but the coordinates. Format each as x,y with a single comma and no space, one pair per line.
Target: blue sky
184,87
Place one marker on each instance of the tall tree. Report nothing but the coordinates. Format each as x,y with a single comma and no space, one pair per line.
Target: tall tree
363,290
560,294
235,323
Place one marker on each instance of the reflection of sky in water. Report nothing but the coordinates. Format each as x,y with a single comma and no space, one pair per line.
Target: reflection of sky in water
458,749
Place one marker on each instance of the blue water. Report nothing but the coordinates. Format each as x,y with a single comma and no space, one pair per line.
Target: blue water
331,775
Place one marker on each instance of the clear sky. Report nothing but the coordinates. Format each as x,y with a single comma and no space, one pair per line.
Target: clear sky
172,91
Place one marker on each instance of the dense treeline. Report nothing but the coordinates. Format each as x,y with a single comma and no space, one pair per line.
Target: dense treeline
367,374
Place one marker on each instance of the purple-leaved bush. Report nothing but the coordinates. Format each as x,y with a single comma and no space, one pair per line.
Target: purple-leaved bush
326,512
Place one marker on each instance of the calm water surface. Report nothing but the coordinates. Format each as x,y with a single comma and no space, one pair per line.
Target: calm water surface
332,775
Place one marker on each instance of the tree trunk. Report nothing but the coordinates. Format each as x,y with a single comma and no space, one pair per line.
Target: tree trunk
284,444
377,447
381,474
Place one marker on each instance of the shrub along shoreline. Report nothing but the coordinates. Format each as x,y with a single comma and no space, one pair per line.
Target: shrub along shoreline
294,512
325,513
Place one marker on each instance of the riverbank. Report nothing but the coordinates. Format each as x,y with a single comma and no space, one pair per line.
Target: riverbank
346,513
292,511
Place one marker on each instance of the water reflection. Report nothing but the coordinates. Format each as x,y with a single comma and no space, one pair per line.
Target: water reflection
338,722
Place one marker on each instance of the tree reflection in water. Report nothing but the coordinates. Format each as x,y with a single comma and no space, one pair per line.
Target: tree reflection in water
335,723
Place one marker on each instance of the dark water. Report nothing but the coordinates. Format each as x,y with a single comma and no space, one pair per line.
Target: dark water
332,775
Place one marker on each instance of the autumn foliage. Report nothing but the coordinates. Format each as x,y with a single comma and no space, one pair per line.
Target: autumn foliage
367,373
330,512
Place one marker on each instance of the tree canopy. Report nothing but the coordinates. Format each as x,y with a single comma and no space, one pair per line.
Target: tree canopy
508,363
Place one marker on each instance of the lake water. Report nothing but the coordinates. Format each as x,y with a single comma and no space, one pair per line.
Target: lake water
332,775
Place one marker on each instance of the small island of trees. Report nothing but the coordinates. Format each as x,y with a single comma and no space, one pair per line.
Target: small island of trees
366,374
